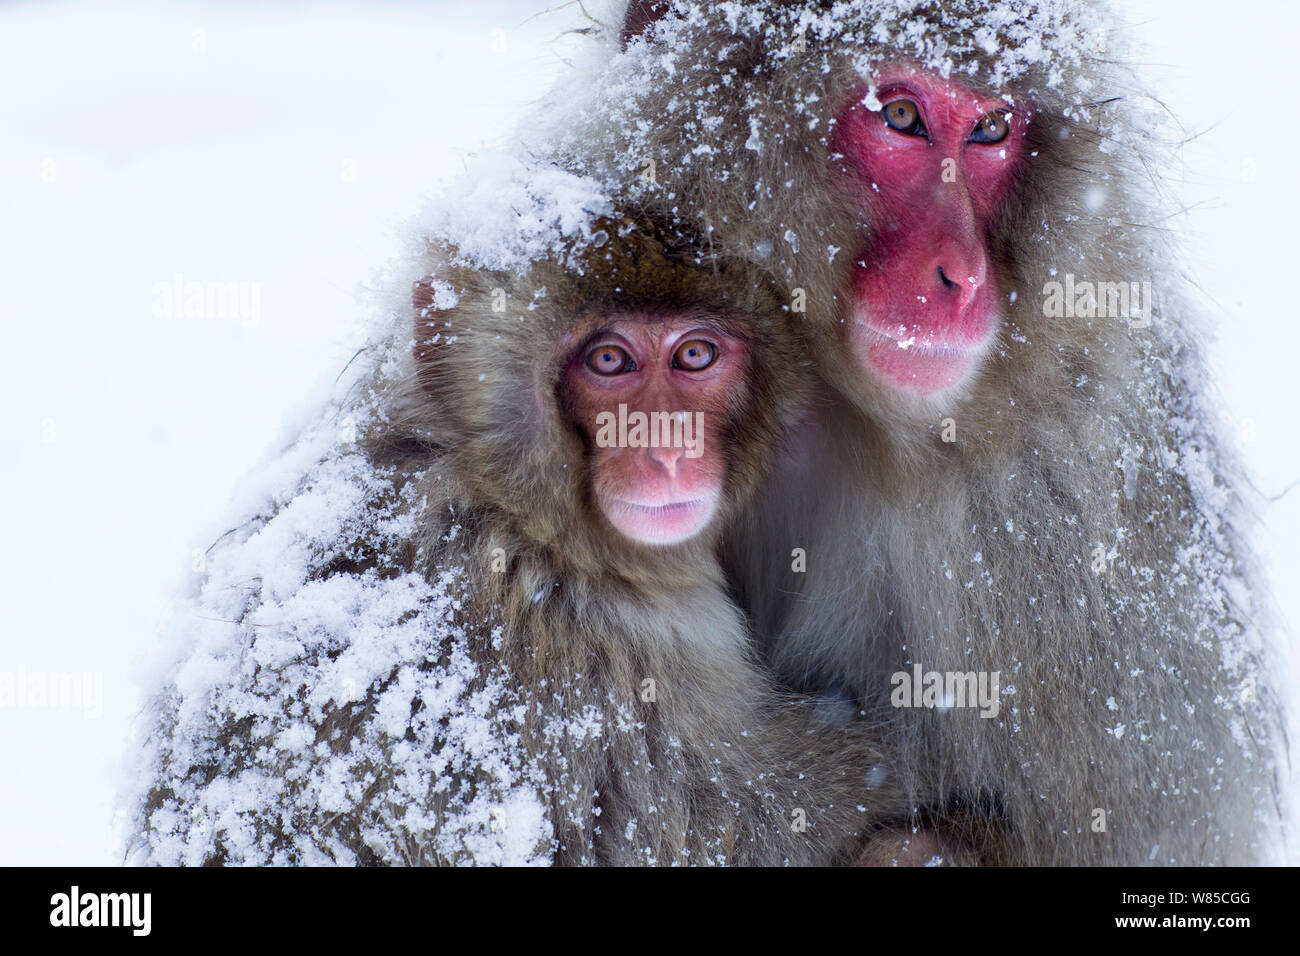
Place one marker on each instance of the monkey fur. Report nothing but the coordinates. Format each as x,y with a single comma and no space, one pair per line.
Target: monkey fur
630,722
1080,531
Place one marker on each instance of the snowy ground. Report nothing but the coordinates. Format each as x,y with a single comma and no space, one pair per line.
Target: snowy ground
279,144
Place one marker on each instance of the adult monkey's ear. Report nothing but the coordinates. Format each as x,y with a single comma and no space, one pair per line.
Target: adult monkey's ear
641,15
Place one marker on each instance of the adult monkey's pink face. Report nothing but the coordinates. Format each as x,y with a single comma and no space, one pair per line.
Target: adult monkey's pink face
931,162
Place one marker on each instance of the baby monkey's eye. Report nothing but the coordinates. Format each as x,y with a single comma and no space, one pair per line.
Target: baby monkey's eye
695,355
609,360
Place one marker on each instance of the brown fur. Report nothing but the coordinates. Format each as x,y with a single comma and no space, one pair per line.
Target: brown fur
1139,690
477,453
715,767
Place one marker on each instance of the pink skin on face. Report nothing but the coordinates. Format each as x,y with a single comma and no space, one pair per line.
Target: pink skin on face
658,496
927,296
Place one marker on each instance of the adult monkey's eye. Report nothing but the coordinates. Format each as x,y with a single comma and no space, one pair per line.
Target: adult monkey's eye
904,116
993,128
609,360
695,355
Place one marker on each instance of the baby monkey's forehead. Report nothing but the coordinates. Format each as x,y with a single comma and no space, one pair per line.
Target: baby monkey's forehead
661,321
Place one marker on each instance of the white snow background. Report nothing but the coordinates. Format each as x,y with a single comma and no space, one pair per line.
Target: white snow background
282,144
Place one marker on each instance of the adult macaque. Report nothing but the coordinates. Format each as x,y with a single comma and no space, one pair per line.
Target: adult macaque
563,466
1012,474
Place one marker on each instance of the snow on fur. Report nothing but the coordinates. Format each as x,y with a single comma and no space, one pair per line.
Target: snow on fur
276,637
507,213
269,638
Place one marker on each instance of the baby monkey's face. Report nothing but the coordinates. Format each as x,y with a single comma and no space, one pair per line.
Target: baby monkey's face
652,396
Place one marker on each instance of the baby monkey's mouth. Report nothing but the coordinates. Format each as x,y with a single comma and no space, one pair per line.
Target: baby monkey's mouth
662,521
